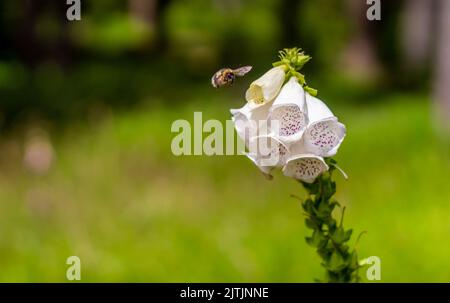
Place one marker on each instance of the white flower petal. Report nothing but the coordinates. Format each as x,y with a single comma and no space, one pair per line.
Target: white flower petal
288,115
243,127
324,133
268,151
242,123
244,110
298,148
250,121
261,112
317,110
324,137
305,167
266,88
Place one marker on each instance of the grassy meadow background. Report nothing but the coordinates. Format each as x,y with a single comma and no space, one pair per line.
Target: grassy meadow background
86,167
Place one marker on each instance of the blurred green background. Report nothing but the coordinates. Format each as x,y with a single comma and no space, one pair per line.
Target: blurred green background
86,109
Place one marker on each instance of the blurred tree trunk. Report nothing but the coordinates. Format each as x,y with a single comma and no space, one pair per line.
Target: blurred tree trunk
152,13
442,68
416,32
144,11
360,59
31,49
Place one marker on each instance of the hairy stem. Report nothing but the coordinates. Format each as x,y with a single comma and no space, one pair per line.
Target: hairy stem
328,237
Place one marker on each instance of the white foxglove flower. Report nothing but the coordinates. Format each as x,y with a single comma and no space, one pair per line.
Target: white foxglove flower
267,87
289,112
324,133
305,167
287,128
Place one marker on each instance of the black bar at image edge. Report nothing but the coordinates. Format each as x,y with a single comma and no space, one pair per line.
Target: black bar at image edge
222,292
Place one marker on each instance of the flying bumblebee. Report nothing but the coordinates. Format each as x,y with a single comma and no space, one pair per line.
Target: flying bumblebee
226,76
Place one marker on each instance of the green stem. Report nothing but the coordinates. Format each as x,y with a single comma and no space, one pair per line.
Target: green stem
329,238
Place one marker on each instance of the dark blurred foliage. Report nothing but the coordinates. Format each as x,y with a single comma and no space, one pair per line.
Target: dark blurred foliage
125,52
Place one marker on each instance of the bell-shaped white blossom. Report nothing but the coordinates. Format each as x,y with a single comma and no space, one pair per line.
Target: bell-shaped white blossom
324,133
267,87
305,167
288,114
291,129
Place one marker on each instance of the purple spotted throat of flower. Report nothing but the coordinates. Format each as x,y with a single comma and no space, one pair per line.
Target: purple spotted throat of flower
300,135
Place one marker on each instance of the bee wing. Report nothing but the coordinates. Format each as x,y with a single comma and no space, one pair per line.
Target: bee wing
213,81
241,71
